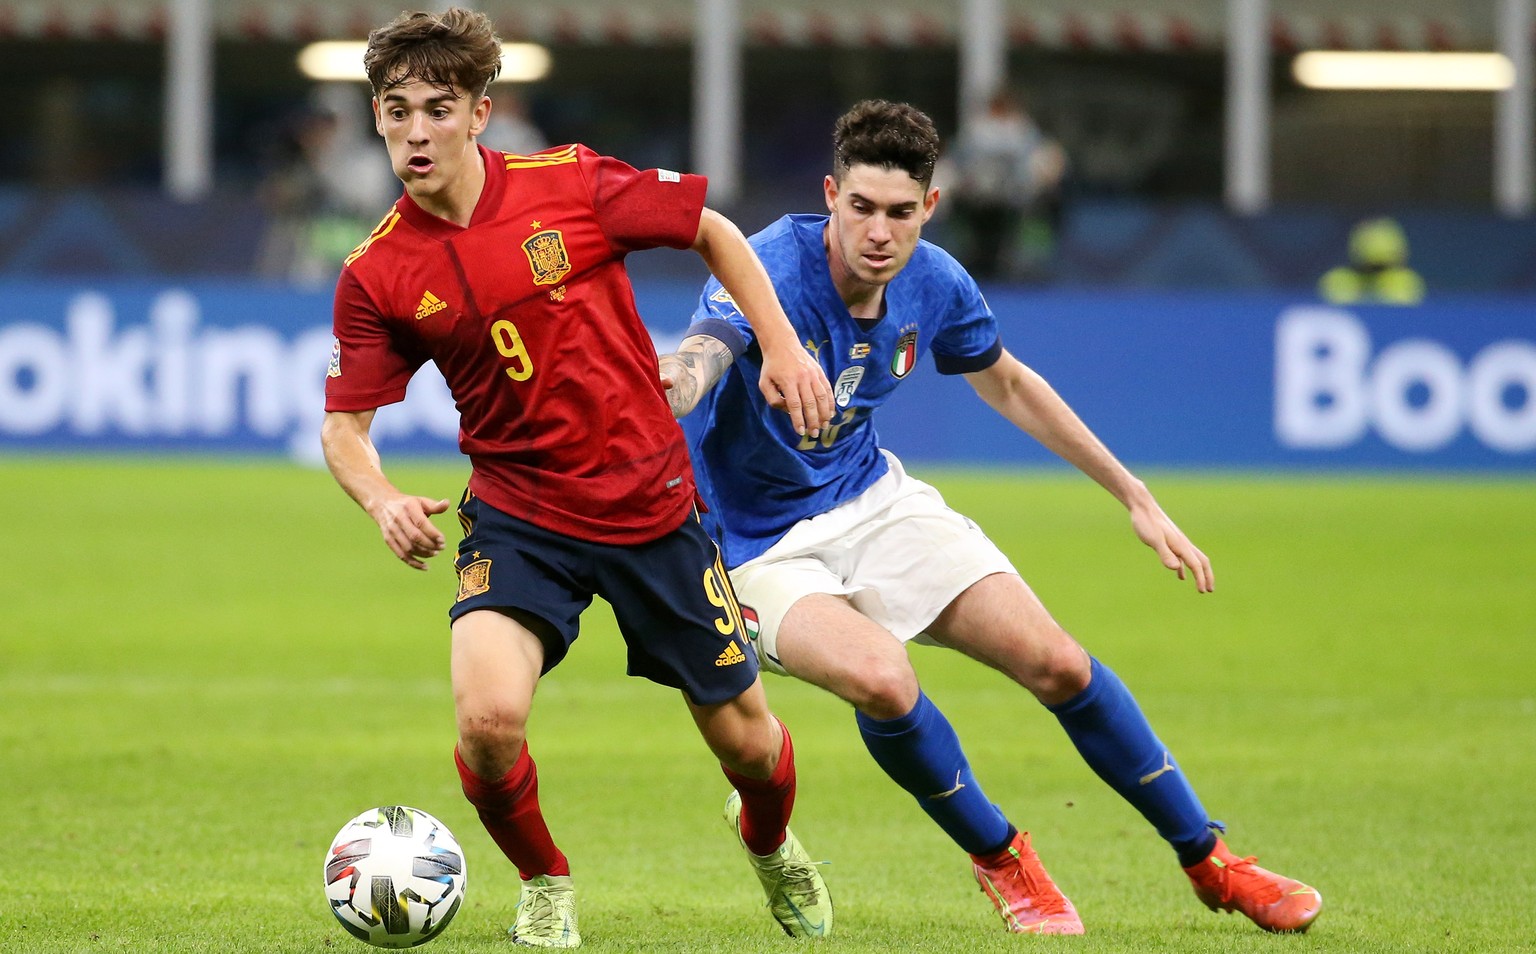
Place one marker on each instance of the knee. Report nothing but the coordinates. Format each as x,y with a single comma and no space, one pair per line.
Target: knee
884,690
1062,672
753,752
491,736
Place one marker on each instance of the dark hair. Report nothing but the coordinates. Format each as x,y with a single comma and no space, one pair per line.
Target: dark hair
457,48
889,135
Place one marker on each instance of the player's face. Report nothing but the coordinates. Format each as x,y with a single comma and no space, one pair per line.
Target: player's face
431,134
877,216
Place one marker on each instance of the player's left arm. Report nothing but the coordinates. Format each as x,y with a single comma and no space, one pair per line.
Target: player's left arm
1026,399
695,367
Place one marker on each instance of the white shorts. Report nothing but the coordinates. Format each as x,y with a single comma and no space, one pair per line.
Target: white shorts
896,551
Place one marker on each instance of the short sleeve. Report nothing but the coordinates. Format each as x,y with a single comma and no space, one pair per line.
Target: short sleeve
367,369
718,317
643,209
968,341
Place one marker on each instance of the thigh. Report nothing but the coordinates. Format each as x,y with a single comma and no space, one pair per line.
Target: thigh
1000,621
679,615
530,574
826,642
769,587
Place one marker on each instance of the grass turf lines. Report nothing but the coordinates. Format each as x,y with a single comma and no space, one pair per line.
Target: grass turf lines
206,668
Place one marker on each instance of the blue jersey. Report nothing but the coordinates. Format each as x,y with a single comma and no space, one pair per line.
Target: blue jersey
757,476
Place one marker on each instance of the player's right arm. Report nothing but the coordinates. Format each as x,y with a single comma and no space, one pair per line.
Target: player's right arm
403,519
695,367
368,370
790,379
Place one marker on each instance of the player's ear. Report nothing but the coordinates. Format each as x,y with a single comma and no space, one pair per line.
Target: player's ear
480,117
829,187
930,202
378,117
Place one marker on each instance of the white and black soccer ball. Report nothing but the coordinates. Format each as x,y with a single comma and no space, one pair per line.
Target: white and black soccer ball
394,876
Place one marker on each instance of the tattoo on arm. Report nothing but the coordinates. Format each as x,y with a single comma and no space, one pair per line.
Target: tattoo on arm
694,368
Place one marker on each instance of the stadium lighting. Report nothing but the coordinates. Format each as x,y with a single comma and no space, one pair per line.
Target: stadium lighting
343,60
1326,69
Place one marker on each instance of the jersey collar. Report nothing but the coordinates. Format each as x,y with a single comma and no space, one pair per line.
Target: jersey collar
485,207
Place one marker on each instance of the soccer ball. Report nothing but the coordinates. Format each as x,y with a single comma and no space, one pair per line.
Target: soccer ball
394,876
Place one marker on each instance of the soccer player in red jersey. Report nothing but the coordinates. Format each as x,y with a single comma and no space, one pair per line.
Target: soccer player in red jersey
508,273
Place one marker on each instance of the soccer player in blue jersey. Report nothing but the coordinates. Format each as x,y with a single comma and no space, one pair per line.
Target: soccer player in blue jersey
842,557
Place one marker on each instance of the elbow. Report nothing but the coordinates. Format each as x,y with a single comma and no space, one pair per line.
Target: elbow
709,228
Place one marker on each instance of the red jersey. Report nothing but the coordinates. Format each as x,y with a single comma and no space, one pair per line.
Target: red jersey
529,315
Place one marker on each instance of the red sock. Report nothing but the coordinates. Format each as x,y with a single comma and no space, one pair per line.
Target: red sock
509,810
767,803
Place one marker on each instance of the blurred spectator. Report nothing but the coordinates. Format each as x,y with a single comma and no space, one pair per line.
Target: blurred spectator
510,128
327,187
1378,269
1007,191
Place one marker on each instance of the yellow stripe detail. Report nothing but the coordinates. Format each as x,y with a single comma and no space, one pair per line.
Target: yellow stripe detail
384,227
540,159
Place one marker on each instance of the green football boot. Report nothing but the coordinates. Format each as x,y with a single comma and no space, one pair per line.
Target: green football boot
546,914
797,896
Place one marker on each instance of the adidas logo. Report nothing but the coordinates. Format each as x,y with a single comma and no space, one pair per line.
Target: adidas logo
430,305
731,656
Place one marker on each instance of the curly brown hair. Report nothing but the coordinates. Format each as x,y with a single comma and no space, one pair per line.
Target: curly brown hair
456,50
889,135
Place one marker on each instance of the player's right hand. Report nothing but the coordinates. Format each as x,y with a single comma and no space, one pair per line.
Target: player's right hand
793,382
405,522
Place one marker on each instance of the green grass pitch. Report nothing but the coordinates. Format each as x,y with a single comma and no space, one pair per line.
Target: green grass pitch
206,668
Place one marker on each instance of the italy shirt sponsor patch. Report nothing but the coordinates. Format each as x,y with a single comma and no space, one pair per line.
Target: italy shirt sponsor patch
847,383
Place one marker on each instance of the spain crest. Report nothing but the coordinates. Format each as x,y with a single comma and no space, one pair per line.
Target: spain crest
906,354
547,256
474,579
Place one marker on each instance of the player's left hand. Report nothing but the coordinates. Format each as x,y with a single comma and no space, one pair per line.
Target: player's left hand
793,382
1159,532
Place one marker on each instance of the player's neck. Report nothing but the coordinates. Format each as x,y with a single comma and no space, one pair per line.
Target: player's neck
862,299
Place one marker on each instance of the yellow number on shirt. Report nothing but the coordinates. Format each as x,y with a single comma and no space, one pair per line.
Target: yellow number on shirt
828,433
510,344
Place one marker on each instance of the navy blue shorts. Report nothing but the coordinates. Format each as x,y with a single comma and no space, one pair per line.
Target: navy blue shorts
672,597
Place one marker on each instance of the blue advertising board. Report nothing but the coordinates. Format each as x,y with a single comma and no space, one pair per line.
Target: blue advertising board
1176,380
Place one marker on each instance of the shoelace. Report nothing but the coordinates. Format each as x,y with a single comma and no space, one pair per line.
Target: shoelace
1264,890
545,913
798,874
1043,897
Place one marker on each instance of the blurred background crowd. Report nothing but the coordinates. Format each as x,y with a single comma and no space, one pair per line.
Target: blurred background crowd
1099,154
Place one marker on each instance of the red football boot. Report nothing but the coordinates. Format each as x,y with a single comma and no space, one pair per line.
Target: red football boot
1274,902
1023,894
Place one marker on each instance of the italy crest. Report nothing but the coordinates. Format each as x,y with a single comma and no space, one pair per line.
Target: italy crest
906,354
547,256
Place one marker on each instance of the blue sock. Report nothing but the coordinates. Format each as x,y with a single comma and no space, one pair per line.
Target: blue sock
1114,738
921,752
